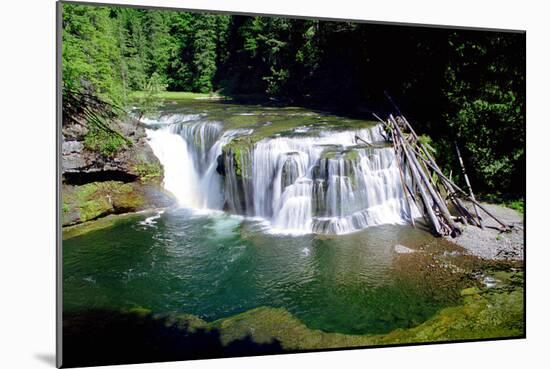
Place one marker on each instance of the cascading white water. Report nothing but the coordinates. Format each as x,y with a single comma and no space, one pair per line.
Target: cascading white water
189,149
320,183
180,175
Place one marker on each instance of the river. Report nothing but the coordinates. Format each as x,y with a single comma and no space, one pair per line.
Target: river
309,224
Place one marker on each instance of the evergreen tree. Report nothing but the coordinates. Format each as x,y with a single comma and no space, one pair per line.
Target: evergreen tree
159,44
486,93
91,56
204,52
467,86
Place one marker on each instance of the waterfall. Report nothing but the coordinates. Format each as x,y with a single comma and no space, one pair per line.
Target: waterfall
322,182
180,175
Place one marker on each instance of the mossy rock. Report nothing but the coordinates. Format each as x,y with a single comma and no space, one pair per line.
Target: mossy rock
335,151
351,154
97,224
140,311
481,315
327,155
268,123
97,199
149,172
290,170
469,291
237,156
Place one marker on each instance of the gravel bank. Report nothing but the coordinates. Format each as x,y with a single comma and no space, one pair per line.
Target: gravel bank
491,243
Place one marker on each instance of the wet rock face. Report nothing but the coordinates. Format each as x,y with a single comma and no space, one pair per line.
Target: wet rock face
237,173
72,156
95,185
78,161
220,167
290,171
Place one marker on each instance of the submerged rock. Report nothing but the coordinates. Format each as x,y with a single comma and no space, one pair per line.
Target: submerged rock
400,249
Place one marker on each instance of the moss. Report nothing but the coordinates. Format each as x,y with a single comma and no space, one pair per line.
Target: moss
93,208
334,152
351,155
327,155
105,142
179,95
237,153
139,311
243,121
265,325
101,223
149,172
239,149
479,312
469,291
97,199
127,198
483,314
518,205
191,323
268,123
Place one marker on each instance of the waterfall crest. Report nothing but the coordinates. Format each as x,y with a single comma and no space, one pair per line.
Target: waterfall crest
324,182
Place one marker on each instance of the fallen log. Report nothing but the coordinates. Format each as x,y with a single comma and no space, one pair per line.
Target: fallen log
474,201
364,141
425,199
427,183
415,162
403,183
429,161
450,193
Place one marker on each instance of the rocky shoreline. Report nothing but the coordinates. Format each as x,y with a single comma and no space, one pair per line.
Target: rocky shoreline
95,185
491,243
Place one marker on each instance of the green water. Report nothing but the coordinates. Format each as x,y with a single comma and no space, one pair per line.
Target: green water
215,266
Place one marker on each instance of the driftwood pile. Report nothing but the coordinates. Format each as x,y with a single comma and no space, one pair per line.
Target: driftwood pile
426,187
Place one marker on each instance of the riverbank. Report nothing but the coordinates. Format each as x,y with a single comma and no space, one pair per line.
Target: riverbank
94,337
107,169
491,243
280,284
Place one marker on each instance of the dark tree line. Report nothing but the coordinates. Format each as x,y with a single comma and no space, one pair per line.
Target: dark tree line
454,85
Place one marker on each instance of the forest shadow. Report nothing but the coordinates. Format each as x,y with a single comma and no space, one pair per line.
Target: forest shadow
103,337
352,110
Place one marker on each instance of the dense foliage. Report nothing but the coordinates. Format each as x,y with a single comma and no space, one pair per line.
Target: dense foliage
457,86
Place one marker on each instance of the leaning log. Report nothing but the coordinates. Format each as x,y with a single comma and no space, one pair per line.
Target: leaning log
474,201
436,197
463,212
403,183
416,162
468,183
425,199
430,162
357,138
